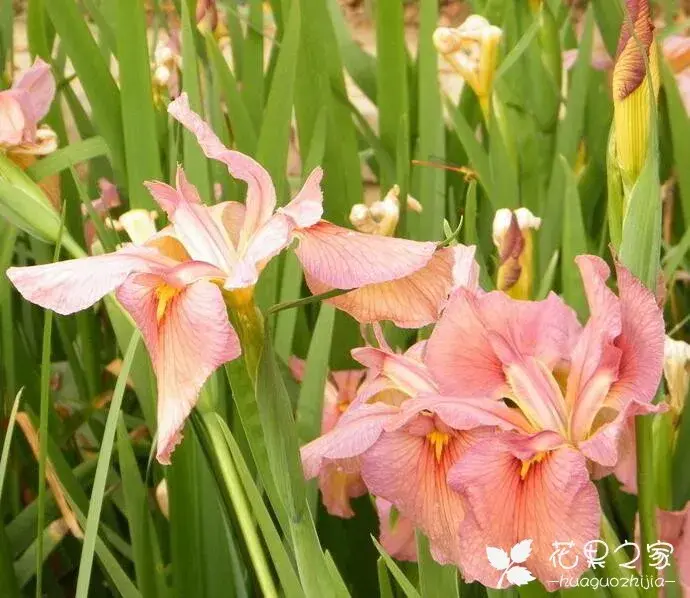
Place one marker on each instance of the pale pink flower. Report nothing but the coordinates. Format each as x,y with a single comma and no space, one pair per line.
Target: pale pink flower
407,282
569,391
396,532
338,482
22,107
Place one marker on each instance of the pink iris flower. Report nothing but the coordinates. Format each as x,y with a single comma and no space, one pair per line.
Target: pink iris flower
674,528
23,106
174,285
404,446
338,482
570,392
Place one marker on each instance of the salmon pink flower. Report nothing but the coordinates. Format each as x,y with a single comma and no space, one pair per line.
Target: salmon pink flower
570,392
21,109
338,482
407,282
674,528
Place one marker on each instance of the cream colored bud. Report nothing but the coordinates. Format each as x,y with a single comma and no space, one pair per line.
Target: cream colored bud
138,224
162,499
161,76
677,372
525,220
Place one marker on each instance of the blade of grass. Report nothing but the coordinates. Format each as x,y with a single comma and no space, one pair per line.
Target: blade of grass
63,158
435,581
574,243
97,493
405,585
195,162
138,115
7,442
148,563
391,75
43,426
94,76
253,63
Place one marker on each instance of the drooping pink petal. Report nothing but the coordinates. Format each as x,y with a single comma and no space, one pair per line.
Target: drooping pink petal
72,285
12,120
396,533
478,335
339,482
406,468
346,259
108,199
193,223
358,429
261,195
554,501
39,83
306,208
401,281
187,341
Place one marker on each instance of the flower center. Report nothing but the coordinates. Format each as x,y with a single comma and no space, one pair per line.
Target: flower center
165,294
527,464
438,441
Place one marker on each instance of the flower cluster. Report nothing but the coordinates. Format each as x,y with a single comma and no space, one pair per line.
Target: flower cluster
493,430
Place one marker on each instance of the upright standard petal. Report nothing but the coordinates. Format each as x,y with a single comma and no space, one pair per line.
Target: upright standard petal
478,335
70,286
306,208
507,500
261,195
39,83
188,339
193,222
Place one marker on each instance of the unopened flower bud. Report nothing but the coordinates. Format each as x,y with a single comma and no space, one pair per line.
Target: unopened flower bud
677,373
472,50
139,225
381,217
636,63
512,236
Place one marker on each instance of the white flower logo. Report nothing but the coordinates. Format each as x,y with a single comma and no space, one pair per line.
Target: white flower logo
515,574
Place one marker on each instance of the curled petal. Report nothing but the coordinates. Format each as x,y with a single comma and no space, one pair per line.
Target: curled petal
72,285
261,195
339,482
306,208
193,223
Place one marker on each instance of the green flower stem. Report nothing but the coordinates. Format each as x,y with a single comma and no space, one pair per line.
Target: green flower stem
614,560
646,494
248,322
213,441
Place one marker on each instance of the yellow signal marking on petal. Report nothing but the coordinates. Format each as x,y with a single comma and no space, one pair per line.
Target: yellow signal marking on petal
526,465
165,294
438,441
